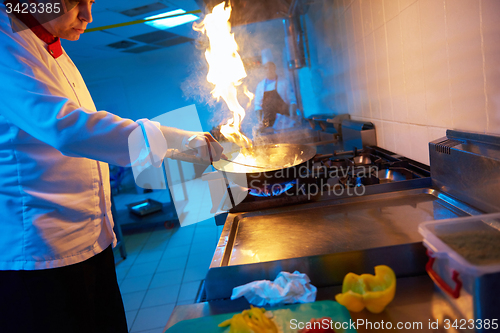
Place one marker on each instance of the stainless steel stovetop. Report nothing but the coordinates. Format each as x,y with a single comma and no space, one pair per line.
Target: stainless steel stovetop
263,236
339,174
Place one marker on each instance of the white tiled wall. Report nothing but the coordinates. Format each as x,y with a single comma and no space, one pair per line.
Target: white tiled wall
414,67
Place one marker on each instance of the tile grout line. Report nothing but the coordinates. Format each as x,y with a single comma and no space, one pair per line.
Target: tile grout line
152,277
450,90
184,272
135,317
133,262
145,243
485,89
156,271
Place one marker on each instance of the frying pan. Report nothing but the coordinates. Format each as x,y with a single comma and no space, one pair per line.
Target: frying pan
282,161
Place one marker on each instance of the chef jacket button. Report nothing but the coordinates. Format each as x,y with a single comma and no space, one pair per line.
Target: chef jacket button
74,85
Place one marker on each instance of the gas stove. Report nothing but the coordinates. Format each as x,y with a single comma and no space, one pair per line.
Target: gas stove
323,233
339,174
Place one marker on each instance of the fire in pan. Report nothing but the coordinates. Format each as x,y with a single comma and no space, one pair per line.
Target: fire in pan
276,161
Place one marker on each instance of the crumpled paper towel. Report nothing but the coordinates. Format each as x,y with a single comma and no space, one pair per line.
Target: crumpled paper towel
285,289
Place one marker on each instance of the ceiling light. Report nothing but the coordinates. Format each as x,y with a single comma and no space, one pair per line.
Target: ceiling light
171,22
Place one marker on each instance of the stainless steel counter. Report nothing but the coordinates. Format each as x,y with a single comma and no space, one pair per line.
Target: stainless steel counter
343,225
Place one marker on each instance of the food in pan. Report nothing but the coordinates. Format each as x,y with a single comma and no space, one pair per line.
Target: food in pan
263,163
374,292
253,320
264,158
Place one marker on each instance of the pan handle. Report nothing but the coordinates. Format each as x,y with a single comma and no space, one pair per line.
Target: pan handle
209,150
175,154
343,153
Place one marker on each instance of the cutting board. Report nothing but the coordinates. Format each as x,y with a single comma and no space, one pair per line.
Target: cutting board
281,315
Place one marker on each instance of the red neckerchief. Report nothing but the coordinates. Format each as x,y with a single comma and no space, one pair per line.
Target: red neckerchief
53,43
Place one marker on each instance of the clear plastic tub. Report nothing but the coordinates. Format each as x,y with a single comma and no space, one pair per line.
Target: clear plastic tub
473,288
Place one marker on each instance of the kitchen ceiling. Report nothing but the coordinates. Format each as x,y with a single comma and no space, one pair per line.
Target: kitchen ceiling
251,11
131,39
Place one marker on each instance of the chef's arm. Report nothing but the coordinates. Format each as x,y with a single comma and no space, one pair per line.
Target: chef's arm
260,117
32,101
38,110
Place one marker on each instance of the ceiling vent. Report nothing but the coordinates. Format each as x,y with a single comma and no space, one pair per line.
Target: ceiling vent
154,37
142,10
124,44
142,49
174,41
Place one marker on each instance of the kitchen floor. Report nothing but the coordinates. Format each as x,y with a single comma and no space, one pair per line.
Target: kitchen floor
164,268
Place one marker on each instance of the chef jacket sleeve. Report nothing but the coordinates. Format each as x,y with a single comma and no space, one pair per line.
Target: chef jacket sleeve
259,96
33,101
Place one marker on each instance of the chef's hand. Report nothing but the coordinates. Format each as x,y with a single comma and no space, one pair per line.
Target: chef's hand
191,142
205,145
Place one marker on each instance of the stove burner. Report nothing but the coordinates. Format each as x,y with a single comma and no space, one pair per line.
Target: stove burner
362,160
338,174
272,190
337,162
362,181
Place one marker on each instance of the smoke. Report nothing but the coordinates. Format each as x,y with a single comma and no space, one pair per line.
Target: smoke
252,39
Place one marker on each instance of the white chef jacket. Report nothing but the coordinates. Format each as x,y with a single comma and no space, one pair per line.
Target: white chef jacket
283,88
55,205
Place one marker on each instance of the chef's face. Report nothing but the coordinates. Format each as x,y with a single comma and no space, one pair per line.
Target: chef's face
270,68
72,24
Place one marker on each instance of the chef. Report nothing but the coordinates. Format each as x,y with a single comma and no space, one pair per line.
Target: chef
56,230
274,95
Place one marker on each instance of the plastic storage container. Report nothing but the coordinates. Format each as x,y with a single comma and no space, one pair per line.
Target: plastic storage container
473,289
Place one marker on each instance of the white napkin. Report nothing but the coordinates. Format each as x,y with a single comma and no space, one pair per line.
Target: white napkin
286,288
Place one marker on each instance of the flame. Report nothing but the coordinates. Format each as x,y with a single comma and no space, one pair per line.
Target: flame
226,72
249,95
226,69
